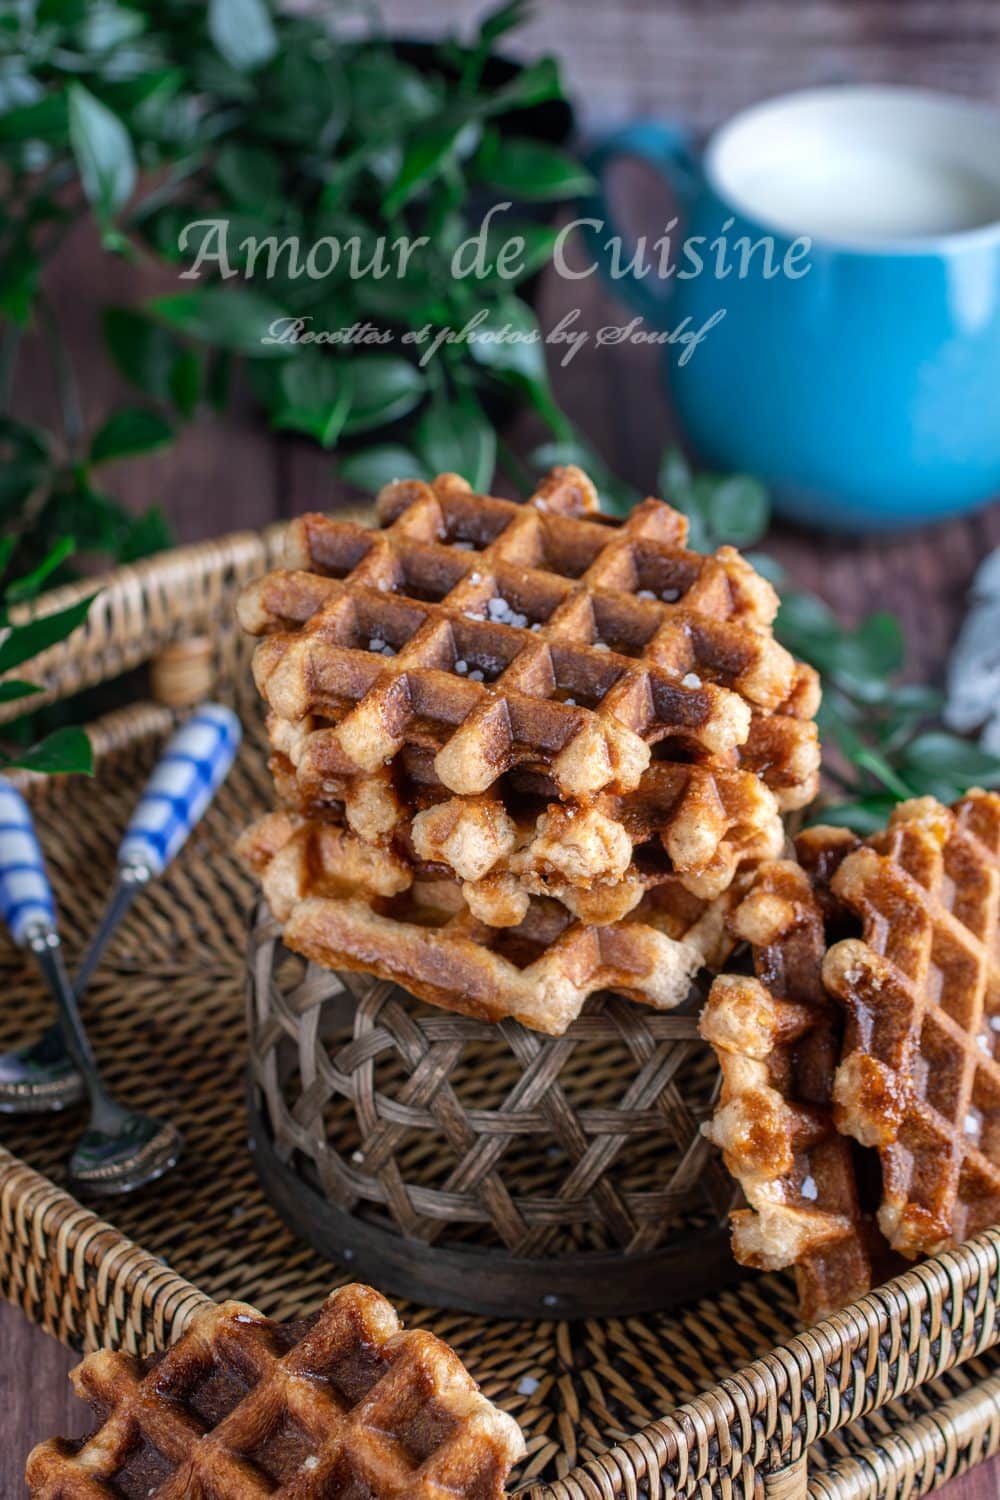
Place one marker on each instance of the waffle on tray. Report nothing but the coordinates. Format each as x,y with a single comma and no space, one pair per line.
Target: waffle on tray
343,1405
920,1077
777,1037
348,906
564,722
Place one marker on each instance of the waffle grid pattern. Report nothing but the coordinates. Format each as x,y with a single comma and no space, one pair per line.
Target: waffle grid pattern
552,711
354,1407
777,1036
627,640
539,972
920,1079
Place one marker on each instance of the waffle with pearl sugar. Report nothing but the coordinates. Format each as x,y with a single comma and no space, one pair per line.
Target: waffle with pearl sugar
493,635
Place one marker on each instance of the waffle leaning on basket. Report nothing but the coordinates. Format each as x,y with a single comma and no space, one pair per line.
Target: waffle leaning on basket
524,753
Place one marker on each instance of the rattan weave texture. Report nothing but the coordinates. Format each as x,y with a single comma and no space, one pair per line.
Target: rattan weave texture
891,1397
587,1140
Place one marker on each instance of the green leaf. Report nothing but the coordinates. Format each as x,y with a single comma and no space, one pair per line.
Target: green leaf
674,475
870,760
315,393
865,815
525,168
528,249
128,432
251,175
45,119
454,438
63,752
386,387
103,150
382,465
185,383
957,762
739,510
503,19
388,96
535,84
143,351
26,641
13,690
145,535
243,32
880,644
509,342
422,160
19,286
234,318
28,586
768,567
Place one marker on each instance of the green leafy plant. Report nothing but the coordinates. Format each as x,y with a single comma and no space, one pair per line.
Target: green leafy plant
882,735
163,120
22,637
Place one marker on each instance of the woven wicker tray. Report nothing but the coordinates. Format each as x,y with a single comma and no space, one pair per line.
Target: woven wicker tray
892,1396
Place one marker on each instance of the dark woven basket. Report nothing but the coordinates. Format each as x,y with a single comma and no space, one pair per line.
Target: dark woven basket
479,1166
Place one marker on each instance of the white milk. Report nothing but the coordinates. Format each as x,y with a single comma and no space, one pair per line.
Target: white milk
861,165
880,194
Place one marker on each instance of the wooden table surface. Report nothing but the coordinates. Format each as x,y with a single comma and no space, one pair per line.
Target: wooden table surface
230,473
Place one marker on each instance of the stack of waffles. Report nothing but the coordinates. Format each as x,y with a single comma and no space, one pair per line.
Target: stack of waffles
522,752
860,1106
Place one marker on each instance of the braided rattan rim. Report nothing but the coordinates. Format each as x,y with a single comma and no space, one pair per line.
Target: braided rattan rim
88,1284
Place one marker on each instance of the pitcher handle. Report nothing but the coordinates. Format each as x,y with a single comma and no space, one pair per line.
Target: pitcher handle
668,150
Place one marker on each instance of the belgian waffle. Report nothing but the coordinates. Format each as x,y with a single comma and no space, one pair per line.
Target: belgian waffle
494,635
690,823
341,912
777,1038
920,1078
346,1405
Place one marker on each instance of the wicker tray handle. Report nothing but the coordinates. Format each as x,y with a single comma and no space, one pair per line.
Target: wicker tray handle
762,1421
174,610
92,1276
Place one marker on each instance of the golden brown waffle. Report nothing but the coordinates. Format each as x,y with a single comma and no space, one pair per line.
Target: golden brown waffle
777,1038
341,912
347,1405
685,823
493,635
920,1078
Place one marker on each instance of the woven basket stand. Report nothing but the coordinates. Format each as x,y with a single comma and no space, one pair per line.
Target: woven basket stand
89,1284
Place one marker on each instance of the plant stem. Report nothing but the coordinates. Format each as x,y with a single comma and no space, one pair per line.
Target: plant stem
69,390
8,363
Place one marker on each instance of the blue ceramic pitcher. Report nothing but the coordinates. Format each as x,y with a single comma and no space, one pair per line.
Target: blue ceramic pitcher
841,338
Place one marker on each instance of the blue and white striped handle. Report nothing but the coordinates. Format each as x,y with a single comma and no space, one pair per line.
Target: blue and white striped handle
26,899
188,774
